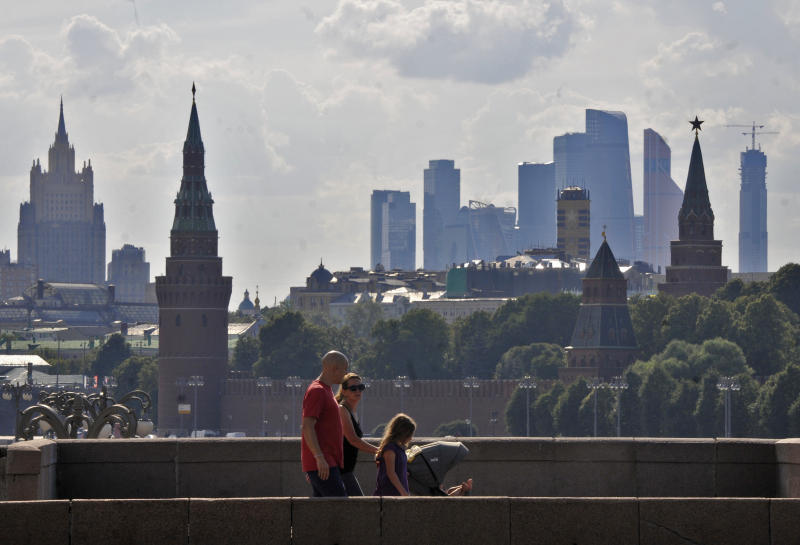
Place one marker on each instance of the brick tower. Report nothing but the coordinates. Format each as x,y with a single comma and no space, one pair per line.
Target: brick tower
695,258
193,299
603,342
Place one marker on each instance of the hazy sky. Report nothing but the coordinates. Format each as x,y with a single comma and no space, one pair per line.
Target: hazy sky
306,107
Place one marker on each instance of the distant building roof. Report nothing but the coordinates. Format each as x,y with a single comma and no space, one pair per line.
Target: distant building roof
21,360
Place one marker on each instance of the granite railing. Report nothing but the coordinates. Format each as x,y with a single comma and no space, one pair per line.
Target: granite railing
537,490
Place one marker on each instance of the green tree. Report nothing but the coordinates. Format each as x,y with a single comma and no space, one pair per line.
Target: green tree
363,316
290,346
655,394
127,373
472,351
715,320
680,421
565,413
708,413
776,398
542,421
516,419
606,425
534,318
721,355
541,360
113,352
456,428
647,316
785,286
630,406
767,333
245,353
681,319
417,345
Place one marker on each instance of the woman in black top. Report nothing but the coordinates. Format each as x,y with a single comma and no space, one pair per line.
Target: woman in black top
348,397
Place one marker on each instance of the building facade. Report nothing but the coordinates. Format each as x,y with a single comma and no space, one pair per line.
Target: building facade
569,158
662,201
193,298
696,258
61,229
442,187
393,233
573,222
603,342
14,277
536,204
130,274
753,212
608,177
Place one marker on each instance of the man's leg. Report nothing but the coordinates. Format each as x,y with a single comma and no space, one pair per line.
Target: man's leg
330,487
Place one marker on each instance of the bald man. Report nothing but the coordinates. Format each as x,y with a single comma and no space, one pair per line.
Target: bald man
321,443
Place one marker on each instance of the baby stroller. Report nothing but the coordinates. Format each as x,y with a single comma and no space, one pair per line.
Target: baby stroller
428,465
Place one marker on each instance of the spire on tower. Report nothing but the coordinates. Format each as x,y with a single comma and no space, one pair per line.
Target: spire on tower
695,195
61,133
193,138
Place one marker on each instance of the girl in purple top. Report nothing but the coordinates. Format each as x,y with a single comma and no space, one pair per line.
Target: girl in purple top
391,457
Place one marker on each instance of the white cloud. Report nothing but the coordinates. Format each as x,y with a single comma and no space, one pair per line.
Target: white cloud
469,40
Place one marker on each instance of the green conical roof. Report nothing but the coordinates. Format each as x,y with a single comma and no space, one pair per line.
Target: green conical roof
193,205
695,195
604,264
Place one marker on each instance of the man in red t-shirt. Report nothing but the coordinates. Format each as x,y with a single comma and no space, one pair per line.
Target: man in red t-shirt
321,443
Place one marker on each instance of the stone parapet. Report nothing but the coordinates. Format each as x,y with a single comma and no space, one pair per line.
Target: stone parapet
400,521
513,467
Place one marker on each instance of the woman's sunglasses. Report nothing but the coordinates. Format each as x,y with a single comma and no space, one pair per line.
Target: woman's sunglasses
356,388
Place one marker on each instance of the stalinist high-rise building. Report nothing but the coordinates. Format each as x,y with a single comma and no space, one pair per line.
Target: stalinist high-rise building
61,229
193,299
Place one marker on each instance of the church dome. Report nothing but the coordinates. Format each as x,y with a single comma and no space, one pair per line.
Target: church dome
321,276
246,303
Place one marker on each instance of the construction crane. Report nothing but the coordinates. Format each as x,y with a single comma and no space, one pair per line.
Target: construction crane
753,132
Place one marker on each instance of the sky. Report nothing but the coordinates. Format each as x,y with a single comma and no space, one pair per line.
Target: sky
307,106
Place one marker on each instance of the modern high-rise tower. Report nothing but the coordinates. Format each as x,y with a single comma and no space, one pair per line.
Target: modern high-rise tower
753,212
569,156
440,208
608,177
193,299
61,229
536,194
573,222
393,233
662,200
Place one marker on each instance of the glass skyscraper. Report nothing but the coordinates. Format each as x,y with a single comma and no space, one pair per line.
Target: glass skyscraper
393,233
753,212
536,205
440,208
662,201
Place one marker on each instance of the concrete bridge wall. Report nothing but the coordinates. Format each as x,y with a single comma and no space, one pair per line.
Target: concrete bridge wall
514,467
401,521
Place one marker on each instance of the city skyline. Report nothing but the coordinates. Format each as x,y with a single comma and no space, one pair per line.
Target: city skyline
307,106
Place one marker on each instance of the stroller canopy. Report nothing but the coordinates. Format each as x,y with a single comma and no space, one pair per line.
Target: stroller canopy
428,465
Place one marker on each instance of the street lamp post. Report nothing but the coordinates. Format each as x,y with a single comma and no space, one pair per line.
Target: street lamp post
263,383
195,381
16,392
293,383
402,383
595,384
366,382
527,383
618,384
470,383
728,385
180,383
